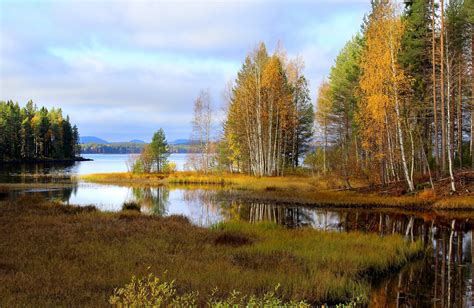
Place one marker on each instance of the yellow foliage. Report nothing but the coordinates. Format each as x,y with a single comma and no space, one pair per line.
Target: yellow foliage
382,80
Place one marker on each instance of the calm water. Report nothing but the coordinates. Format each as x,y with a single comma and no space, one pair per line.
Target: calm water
102,163
443,279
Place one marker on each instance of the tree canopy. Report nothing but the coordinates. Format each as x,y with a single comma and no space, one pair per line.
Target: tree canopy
30,133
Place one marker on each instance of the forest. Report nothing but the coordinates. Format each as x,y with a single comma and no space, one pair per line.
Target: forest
127,148
397,105
269,123
30,133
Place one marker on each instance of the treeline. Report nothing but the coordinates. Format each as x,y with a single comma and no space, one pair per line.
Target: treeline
269,121
398,102
112,148
127,148
30,133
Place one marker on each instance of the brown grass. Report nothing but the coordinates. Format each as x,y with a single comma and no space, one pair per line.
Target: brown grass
54,255
292,189
455,203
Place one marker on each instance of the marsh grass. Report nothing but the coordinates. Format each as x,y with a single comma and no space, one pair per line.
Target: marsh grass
455,203
131,206
237,181
323,192
125,178
52,255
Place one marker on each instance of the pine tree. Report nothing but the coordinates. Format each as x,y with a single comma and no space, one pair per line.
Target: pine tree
159,148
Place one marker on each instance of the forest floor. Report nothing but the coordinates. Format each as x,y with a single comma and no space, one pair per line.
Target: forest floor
53,254
318,191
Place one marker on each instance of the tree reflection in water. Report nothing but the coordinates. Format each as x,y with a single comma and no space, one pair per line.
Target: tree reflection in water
152,200
204,208
443,278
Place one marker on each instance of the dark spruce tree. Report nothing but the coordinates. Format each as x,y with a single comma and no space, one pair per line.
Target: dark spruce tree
30,133
160,150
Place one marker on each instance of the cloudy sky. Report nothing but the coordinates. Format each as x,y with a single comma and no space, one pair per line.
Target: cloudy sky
122,69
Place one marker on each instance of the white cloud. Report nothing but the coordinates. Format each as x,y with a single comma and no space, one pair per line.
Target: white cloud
127,67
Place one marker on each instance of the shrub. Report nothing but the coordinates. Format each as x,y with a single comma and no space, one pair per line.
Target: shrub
170,167
150,291
238,299
138,166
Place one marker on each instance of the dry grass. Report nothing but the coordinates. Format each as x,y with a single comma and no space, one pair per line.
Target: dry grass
125,178
455,203
290,189
61,255
237,181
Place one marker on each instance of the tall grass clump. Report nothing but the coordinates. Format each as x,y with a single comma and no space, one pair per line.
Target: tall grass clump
131,206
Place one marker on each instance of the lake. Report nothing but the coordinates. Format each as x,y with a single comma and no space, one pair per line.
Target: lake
101,163
444,278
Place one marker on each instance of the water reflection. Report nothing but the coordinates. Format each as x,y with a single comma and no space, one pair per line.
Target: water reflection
152,200
54,172
62,192
444,278
36,173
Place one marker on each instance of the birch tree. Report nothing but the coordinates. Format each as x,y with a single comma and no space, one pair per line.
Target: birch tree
200,158
381,83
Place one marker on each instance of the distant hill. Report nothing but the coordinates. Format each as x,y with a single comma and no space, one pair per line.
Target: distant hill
97,140
92,139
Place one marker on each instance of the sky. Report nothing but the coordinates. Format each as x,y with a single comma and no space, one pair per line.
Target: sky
122,69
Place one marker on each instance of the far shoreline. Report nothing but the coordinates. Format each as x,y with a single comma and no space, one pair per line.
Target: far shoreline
44,161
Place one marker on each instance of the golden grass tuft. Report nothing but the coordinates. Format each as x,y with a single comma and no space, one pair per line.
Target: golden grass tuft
427,194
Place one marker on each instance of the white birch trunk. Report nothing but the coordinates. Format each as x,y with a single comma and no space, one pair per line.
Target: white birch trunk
449,141
399,126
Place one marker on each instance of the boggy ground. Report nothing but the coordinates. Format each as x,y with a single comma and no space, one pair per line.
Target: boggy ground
322,192
52,254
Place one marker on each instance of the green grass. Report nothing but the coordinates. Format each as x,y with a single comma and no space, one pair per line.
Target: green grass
53,255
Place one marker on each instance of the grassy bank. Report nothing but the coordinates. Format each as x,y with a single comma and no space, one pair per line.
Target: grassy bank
60,255
293,189
237,181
